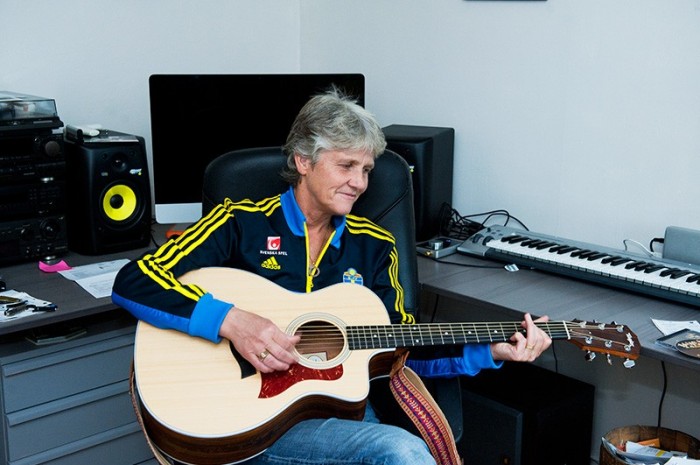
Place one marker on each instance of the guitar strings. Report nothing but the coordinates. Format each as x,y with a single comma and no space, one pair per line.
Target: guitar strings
473,332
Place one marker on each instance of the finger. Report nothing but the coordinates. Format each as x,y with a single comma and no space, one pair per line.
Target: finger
283,355
267,362
258,362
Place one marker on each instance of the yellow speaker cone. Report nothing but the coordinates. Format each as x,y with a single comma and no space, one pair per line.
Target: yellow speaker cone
119,202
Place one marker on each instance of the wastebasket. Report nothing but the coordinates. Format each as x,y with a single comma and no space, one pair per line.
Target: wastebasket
670,440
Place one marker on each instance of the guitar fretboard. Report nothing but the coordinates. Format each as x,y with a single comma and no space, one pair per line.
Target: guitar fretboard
435,334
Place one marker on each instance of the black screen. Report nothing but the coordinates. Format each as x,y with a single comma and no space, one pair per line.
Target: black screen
195,118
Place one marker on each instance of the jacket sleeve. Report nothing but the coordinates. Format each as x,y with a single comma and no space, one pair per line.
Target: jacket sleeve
472,359
148,287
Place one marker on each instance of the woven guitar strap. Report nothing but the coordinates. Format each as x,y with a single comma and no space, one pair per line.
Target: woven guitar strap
414,399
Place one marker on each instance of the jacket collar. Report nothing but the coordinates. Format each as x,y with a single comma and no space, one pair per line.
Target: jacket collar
295,218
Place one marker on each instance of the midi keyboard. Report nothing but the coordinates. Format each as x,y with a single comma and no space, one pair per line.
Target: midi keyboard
668,279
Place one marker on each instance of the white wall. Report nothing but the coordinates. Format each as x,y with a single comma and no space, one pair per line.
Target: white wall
94,57
582,118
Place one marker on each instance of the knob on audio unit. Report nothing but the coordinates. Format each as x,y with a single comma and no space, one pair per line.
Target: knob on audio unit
33,239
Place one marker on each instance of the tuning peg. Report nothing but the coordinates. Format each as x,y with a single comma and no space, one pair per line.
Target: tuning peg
590,356
609,359
628,363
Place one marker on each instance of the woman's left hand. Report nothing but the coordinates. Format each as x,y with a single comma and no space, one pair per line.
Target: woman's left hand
523,348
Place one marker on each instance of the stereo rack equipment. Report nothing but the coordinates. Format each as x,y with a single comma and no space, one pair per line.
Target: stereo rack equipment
32,179
22,112
38,238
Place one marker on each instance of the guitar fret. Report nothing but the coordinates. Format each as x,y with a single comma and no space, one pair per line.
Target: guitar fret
389,337
415,340
476,333
432,341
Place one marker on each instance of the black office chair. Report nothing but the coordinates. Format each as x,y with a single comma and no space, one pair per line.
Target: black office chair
388,201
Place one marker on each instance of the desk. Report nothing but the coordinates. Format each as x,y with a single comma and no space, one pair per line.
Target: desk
72,300
474,289
68,403
487,285
483,285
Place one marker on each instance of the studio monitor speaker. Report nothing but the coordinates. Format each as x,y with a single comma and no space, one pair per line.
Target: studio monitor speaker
109,195
429,151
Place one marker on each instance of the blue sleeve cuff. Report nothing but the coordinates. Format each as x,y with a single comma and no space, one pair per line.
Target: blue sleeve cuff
475,357
157,318
207,317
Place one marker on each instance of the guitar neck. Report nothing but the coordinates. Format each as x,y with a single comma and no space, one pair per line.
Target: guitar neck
436,334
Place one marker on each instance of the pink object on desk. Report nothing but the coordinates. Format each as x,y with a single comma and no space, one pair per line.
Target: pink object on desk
56,267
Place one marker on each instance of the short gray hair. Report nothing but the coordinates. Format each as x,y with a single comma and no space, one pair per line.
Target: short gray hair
331,121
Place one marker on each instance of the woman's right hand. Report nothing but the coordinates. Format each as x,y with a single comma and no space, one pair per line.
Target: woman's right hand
259,340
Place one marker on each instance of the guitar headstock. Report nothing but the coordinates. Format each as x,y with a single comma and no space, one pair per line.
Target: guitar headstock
609,339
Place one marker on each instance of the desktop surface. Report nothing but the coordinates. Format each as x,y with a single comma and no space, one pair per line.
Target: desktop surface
487,285
479,283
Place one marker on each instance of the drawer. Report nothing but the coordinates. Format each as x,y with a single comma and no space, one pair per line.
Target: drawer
68,420
124,445
37,380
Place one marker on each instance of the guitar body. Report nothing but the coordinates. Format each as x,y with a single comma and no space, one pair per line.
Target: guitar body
200,406
202,403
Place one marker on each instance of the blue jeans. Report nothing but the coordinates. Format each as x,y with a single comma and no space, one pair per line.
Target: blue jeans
346,442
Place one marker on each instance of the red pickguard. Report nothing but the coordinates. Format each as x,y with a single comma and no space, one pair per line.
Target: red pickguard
279,381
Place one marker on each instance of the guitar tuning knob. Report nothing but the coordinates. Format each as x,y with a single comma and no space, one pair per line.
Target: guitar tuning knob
590,356
628,363
609,359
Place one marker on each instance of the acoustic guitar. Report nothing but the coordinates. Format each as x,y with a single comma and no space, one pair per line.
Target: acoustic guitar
201,402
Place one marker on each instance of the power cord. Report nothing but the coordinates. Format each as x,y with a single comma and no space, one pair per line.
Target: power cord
656,240
663,394
649,253
461,227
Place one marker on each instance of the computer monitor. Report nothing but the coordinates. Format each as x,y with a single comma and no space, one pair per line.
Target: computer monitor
196,118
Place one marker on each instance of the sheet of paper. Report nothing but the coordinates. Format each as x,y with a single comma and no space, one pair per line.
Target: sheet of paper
97,278
669,327
682,461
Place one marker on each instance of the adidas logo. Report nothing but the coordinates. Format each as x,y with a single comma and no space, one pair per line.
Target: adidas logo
271,264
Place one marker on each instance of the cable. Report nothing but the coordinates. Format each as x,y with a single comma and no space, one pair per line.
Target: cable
663,394
641,246
461,227
435,308
153,238
556,358
658,240
467,265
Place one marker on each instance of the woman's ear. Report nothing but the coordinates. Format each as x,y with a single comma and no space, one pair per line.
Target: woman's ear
302,163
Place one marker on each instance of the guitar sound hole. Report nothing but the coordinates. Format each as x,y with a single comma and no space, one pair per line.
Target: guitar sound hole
321,341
